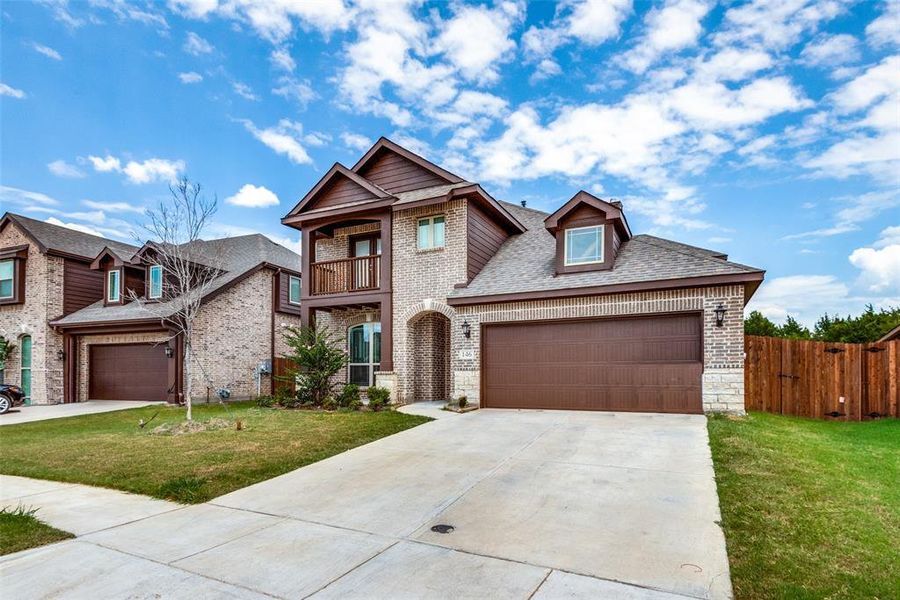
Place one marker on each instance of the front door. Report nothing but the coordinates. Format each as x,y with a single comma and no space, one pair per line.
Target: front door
364,343
25,371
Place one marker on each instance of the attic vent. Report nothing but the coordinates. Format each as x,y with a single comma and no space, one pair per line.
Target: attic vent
524,202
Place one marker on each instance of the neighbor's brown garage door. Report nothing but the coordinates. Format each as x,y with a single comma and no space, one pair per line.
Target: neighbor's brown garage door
128,372
648,364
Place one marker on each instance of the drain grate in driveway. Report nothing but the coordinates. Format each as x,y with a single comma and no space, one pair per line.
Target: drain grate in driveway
443,528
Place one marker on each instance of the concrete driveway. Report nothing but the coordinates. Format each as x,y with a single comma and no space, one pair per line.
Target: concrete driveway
542,504
42,412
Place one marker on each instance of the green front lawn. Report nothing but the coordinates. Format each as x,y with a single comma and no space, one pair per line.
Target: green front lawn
811,509
110,450
21,530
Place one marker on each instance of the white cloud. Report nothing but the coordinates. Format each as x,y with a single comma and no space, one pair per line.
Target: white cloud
356,141
46,51
885,30
805,297
147,171
775,25
281,58
190,77
292,88
116,207
21,197
477,38
272,19
831,50
853,210
673,27
196,45
7,90
733,64
284,138
244,91
75,226
877,82
880,269
153,169
61,168
105,164
251,196
719,240
889,236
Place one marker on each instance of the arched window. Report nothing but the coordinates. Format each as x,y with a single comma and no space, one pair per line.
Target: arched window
364,342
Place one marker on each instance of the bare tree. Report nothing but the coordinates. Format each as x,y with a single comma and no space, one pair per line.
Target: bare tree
175,227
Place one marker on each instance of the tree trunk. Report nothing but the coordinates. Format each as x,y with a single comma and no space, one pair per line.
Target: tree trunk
187,380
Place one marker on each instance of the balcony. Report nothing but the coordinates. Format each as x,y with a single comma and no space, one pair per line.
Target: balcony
345,275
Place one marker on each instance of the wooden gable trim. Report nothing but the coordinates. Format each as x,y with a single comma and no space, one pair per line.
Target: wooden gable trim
384,143
118,261
611,212
335,171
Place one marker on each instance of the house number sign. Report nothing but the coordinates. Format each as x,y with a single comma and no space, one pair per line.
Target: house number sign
466,355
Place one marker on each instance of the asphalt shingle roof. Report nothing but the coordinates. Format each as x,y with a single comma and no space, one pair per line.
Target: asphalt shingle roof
527,262
63,239
235,255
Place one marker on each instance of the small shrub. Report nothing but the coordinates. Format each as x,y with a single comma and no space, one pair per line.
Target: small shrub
355,404
379,397
462,401
265,401
330,403
349,394
187,490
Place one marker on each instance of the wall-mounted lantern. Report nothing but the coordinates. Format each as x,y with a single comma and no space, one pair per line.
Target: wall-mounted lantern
60,354
467,329
720,315
170,352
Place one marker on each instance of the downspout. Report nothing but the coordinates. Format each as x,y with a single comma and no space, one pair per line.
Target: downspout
276,280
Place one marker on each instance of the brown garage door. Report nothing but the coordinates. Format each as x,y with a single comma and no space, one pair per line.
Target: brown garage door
648,364
129,372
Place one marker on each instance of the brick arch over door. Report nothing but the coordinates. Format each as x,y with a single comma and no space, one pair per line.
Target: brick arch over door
428,356
414,311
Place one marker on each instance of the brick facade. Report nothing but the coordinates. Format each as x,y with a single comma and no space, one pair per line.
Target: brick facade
43,302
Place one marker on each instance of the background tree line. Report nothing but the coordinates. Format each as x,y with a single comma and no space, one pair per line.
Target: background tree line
867,327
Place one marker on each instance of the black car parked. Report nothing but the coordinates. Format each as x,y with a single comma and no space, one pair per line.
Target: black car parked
10,396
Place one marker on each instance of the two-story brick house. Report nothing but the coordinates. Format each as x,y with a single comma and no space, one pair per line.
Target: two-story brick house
440,290
87,315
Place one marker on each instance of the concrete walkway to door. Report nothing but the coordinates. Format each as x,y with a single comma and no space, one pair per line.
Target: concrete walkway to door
42,412
540,505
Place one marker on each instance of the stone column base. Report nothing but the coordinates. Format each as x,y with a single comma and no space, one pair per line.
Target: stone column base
388,380
467,383
723,391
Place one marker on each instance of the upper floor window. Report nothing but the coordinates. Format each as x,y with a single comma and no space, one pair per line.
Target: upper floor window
155,290
113,284
431,233
294,289
7,279
584,245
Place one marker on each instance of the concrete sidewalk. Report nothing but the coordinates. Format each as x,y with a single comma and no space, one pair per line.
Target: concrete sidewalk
42,412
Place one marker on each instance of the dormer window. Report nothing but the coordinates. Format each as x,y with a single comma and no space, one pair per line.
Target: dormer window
584,245
155,287
113,286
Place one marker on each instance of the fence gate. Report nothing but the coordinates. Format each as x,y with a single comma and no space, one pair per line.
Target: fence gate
822,379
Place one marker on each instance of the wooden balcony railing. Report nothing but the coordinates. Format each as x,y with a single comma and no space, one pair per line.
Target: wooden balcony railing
345,275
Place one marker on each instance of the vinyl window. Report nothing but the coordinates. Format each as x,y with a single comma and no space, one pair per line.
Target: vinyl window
113,279
584,245
7,279
294,289
431,233
156,282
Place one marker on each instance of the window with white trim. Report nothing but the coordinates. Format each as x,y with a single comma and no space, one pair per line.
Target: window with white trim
431,232
364,344
7,279
294,289
584,245
155,290
113,279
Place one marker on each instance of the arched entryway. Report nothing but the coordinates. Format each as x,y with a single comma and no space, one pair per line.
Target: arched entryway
429,348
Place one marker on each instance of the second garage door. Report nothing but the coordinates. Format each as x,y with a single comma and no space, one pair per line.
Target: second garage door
646,364
129,372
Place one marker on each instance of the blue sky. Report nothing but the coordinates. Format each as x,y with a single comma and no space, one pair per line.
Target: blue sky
767,130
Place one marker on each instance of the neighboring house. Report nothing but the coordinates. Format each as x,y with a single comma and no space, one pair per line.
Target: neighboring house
67,302
439,290
893,334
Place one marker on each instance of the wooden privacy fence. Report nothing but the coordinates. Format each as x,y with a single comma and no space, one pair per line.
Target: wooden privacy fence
822,379
282,367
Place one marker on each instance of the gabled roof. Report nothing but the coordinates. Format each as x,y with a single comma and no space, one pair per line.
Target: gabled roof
525,267
385,144
338,170
64,241
238,257
611,211
893,334
118,259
